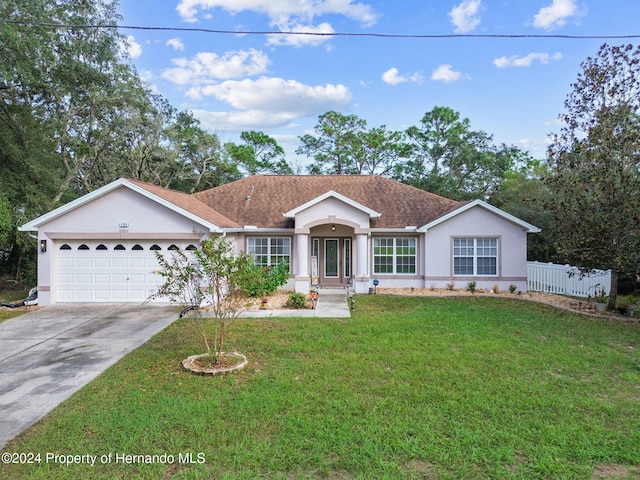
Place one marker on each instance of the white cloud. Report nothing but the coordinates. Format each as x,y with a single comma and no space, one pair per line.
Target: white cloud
269,94
556,14
175,43
444,73
302,40
270,102
287,15
281,11
207,67
134,49
392,77
537,148
465,16
526,61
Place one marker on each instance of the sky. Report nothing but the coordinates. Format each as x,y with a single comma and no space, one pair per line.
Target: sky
511,88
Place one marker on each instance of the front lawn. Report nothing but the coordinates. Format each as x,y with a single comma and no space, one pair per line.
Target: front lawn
406,388
10,296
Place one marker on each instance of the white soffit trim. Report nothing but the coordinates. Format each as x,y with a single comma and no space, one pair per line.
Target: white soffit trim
336,195
479,203
33,225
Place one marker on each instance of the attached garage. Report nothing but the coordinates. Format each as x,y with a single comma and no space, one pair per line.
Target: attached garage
109,271
102,247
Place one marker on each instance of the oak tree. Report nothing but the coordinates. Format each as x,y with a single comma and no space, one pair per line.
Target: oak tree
594,166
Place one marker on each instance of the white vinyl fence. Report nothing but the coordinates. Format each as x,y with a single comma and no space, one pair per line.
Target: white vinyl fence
566,280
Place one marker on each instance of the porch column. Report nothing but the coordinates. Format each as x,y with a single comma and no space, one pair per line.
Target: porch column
301,273
362,263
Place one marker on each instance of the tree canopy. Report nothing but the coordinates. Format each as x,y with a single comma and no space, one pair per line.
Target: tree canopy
595,166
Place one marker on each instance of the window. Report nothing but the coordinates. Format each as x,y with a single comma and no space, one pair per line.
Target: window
394,255
119,247
267,251
475,256
65,247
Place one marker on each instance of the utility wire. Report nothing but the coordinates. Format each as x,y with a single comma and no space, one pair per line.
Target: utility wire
321,34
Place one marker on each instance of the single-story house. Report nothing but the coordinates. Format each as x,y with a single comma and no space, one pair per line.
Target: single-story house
333,230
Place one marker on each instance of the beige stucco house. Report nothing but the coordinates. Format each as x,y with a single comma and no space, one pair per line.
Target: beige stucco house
343,230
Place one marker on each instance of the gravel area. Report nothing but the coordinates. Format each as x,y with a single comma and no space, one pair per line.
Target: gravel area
277,300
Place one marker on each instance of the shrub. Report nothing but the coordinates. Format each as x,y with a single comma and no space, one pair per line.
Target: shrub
512,288
259,280
451,285
471,286
297,300
495,289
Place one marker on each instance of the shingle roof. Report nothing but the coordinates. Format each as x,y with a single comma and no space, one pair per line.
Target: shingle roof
261,200
187,202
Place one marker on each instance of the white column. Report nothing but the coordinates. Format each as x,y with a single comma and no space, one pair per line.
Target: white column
301,274
302,255
362,263
362,251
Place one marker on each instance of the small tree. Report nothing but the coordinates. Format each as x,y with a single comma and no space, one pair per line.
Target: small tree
213,275
222,274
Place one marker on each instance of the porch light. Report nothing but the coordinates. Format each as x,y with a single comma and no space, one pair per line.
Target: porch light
333,227
43,246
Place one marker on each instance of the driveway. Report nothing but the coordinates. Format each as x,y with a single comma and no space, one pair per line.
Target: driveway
48,354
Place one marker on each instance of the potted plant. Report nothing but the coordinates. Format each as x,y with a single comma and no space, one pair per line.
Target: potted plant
263,303
601,300
628,305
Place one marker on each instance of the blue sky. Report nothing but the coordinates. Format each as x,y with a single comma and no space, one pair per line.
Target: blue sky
511,88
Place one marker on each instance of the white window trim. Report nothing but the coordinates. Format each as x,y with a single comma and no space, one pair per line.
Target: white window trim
475,257
269,254
394,255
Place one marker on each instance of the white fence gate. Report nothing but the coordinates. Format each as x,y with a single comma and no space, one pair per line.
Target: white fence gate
566,280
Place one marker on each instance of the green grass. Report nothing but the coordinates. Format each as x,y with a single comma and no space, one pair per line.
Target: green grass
407,388
10,296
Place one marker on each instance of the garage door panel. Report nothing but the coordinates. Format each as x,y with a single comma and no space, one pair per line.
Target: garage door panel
138,279
83,278
120,262
137,262
82,262
111,275
102,278
101,263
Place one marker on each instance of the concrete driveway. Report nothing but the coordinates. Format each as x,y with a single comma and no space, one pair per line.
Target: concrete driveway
48,354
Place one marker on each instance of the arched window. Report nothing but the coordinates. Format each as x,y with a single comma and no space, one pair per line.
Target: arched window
65,246
137,246
155,247
119,247
102,247
191,248
83,247
173,247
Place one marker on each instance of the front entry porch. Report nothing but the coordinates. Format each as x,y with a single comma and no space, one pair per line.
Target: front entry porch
331,256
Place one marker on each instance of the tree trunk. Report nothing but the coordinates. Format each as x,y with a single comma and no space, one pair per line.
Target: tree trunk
613,294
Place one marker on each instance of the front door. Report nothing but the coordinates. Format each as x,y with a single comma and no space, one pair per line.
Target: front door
334,260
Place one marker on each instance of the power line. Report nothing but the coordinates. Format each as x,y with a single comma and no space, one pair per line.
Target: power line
322,34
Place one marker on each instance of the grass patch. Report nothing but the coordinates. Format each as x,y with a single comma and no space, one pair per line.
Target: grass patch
406,388
10,296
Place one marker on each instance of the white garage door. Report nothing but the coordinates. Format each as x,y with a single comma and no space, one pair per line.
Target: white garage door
109,271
